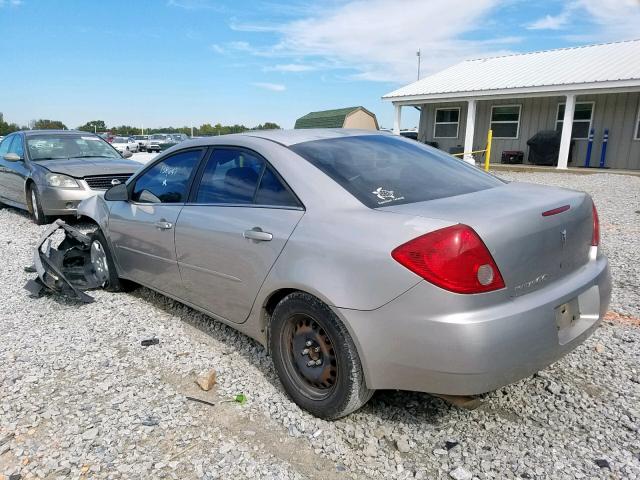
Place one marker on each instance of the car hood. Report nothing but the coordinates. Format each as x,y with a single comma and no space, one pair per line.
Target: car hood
84,167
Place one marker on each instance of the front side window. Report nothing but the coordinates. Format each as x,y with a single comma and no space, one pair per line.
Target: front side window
637,136
582,117
4,145
16,146
168,180
387,170
446,123
505,121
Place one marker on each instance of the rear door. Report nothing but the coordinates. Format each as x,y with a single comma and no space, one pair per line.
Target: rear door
142,230
230,235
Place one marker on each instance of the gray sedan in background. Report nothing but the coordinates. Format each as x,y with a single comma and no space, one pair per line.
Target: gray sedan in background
362,260
48,172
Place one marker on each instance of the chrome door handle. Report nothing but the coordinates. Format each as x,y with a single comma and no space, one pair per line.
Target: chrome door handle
258,235
163,225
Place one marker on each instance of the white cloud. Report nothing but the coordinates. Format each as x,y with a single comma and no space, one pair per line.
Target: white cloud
550,22
274,87
601,20
10,3
292,67
616,19
195,5
379,38
218,48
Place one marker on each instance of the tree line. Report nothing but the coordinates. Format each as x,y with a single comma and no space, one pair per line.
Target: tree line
204,130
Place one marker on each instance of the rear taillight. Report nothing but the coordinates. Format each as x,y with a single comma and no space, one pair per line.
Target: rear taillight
595,238
453,258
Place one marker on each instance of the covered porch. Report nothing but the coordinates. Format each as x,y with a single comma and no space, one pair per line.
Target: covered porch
582,118
578,93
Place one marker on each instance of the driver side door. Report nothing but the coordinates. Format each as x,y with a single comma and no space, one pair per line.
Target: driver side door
14,174
142,229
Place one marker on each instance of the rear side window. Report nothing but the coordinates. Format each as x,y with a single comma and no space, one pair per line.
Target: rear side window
168,180
273,192
381,170
237,177
230,176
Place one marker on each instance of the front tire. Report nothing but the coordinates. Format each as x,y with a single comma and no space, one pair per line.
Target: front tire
104,266
315,358
37,213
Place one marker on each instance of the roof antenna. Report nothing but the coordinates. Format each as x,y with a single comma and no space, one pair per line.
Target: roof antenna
418,55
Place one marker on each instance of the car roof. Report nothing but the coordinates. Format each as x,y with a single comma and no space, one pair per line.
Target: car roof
293,137
285,137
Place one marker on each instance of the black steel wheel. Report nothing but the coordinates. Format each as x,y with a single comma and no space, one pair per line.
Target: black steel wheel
316,358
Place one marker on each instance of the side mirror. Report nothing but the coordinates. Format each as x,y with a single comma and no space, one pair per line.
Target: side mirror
12,157
127,154
118,193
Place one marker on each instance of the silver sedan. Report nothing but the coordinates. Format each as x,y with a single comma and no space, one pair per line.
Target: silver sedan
49,172
362,260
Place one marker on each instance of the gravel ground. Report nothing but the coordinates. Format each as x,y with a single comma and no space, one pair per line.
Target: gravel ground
81,398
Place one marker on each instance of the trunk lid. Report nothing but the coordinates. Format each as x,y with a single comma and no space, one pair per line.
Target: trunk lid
531,250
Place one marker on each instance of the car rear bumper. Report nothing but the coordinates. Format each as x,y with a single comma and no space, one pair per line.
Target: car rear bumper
64,201
474,351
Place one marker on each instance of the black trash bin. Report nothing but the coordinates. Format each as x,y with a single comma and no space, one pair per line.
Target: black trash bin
544,147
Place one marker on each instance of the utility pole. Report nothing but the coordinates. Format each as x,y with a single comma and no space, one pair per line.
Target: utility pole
418,55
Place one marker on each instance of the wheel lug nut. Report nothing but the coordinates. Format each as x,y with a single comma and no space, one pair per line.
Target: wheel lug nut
317,349
305,351
310,363
318,362
308,344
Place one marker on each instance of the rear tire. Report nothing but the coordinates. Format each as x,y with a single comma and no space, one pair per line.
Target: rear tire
102,261
315,358
33,201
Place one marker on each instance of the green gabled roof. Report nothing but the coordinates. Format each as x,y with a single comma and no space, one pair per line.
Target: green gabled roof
325,119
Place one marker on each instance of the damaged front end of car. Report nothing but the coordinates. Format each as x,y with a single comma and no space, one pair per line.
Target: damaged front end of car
76,264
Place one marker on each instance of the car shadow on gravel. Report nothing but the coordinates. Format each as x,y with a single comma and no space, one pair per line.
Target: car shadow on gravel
409,407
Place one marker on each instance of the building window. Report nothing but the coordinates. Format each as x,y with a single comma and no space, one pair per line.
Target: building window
447,123
581,120
637,136
505,121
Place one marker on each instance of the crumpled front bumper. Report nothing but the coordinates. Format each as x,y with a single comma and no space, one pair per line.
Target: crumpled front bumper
65,269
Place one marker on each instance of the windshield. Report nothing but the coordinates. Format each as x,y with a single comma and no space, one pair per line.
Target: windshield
56,146
157,137
120,140
381,170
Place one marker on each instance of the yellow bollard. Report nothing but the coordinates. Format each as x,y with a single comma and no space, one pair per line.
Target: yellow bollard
487,155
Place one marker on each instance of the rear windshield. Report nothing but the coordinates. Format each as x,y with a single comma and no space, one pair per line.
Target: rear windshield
382,170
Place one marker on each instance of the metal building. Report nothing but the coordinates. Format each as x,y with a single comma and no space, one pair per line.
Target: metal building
571,90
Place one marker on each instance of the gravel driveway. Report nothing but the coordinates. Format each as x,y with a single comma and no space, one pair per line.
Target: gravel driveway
81,398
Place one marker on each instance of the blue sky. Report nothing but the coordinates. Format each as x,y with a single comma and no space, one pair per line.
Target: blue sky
177,62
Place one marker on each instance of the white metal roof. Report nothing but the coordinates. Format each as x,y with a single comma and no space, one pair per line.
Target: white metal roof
590,67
